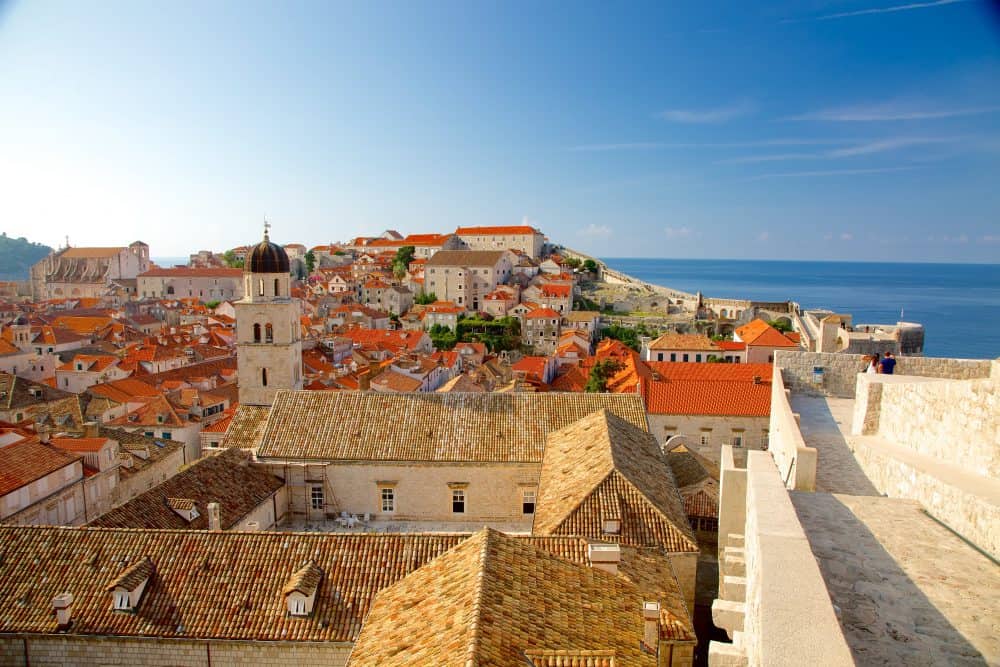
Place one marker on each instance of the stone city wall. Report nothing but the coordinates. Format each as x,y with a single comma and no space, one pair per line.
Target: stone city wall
795,461
773,600
84,650
970,515
953,422
840,370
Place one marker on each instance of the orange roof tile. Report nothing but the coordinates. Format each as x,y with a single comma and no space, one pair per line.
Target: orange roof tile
495,231
761,334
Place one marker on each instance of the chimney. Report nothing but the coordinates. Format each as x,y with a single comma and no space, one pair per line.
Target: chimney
604,556
63,604
651,625
90,429
365,380
756,379
43,433
214,521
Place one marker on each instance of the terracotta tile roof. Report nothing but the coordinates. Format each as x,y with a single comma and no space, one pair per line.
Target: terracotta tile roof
24,462
463,258
492,599
691,371
85,253
701,501
391,380
192,272
676,341
533,366
731,345
539,313
228,585
428,426
496,231
760,333
690,468
246,427
556,290
89,445
228,479
600,468
570,378
17,392
723,398
305,580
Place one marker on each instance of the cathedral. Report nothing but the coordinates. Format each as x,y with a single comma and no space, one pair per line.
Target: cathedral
269,344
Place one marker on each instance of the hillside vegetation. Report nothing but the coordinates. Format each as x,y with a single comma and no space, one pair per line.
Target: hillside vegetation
17,256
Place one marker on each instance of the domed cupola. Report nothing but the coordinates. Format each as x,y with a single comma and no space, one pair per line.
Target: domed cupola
267,257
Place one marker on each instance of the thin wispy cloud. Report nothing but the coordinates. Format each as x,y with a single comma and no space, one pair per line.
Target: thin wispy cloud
869,147
700,116
678,232
877,10
656,145
893,144
831,172
596,231
888,112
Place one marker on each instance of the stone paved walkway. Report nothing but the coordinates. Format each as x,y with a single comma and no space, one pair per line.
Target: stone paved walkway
908,590
826,424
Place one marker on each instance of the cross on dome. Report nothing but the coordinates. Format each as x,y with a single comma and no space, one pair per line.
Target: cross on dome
267,226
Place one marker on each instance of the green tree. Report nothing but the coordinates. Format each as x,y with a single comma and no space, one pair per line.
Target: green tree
425,298
443,337
310,262
781,325
229,257
212,305
401,263
600,374
572,262
590,265
628,335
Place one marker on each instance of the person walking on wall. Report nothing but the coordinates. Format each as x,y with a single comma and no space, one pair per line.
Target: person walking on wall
872,364
888,364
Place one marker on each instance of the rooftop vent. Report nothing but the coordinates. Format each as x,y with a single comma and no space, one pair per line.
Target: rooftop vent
186,508
62,604
127,589
300,590
604,556
651,624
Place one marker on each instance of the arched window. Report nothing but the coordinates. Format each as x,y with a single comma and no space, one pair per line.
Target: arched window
260,288
275,287
263,377
268,333
256,333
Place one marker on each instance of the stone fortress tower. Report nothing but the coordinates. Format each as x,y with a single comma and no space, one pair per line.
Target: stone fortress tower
268,344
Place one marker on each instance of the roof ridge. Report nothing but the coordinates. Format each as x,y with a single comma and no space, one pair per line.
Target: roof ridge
477,598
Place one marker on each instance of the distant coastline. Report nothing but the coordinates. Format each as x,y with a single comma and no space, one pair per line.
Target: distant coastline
958,304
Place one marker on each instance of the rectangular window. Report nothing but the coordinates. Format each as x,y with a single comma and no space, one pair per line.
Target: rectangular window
121,601
458,501
659,356
697,357
388,500
685,357
737,440
673,356
528,502
705,437
316,497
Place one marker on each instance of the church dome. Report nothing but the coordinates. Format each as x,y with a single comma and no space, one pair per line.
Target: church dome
267,257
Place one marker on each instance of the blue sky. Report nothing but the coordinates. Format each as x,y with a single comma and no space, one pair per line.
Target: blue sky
819,129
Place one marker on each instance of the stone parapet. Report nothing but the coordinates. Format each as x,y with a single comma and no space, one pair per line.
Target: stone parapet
796,462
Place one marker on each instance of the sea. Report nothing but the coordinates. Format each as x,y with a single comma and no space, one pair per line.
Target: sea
958,304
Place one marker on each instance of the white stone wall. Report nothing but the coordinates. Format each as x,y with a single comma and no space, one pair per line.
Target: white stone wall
840,370
721,430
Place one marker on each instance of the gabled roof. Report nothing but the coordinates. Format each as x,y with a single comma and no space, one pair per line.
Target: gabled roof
246,427
24,462
601,467
494,598
761,334
362,426
710,389
676,341
228,479
463,258
542,313
496,230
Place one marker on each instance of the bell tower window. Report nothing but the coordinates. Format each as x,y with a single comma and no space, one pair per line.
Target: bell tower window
263,377
268,333
260,287
256,332
276,290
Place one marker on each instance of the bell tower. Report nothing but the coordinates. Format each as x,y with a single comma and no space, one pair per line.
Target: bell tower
268,344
